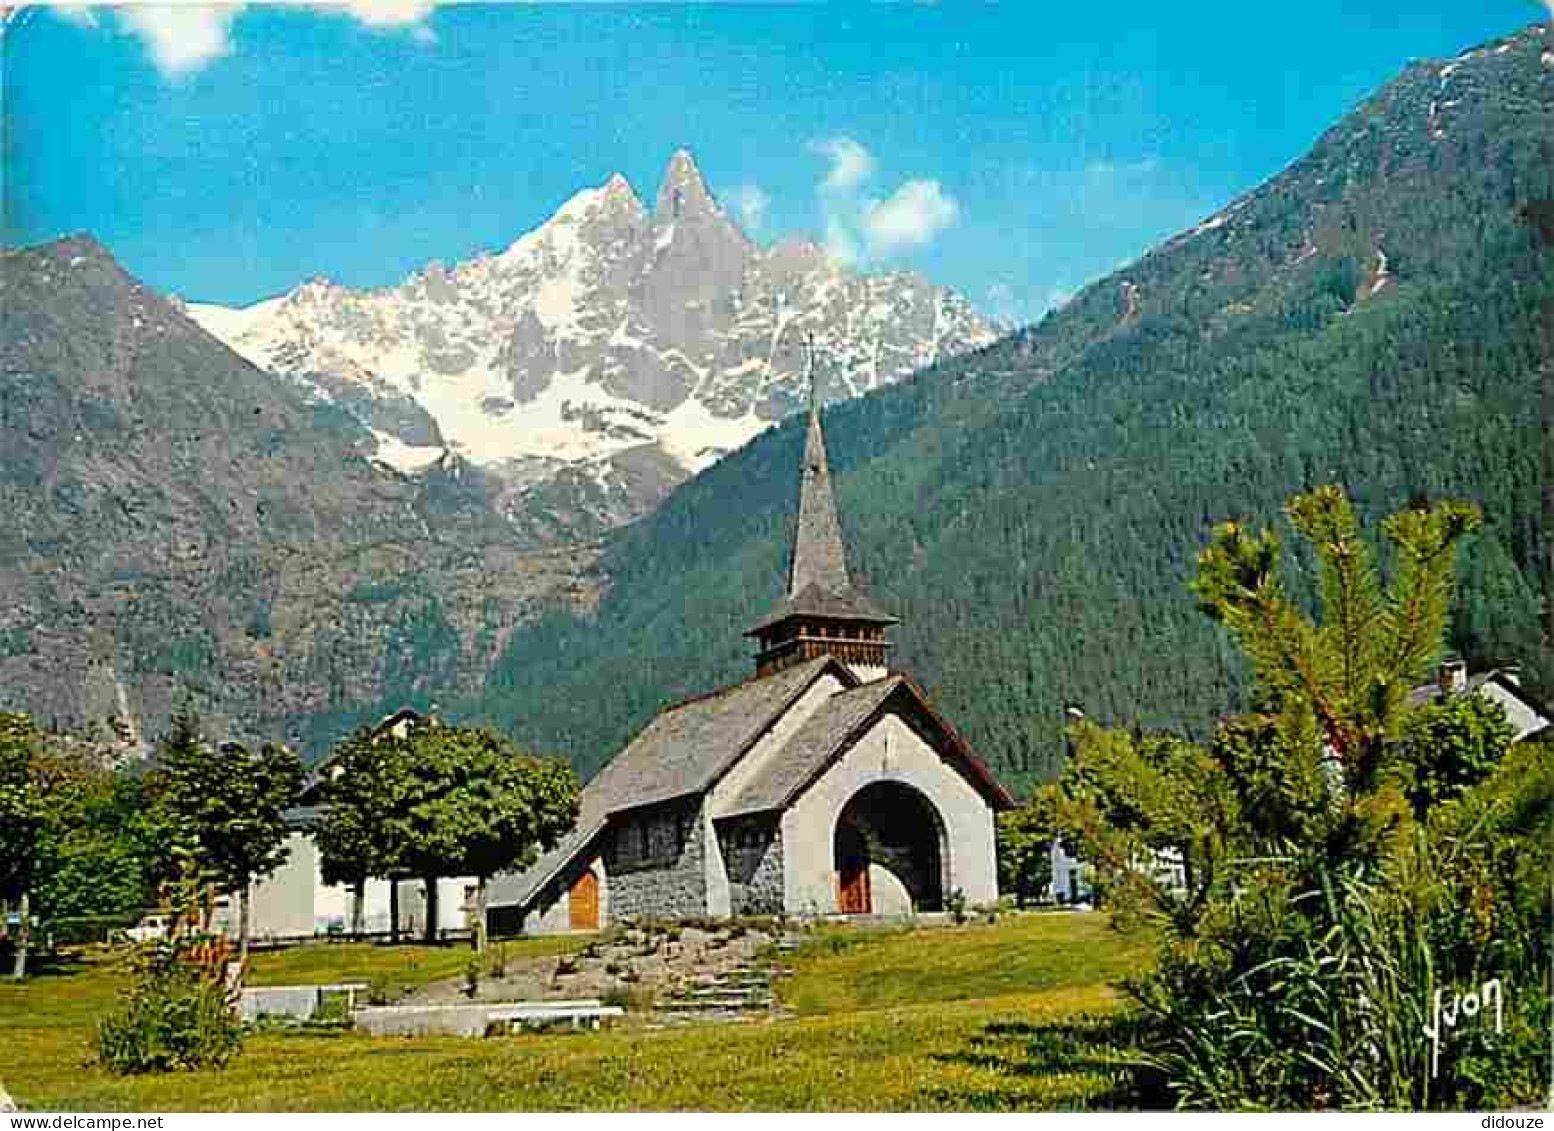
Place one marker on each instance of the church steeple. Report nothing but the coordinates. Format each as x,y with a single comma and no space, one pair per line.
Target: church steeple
822,613
819,557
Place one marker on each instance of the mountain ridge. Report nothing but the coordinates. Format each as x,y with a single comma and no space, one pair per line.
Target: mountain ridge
186,528
1031,510
604,355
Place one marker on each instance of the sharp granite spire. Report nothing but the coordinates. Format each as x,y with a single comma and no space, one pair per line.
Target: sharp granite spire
823,613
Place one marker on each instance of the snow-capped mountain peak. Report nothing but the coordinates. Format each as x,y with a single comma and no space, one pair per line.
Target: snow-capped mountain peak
608,346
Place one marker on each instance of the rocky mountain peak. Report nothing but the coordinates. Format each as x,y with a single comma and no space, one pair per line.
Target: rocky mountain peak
618,186
602,356
617,197
683,192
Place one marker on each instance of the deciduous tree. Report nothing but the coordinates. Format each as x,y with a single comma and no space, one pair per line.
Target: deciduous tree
1025,837
22,819
363,830
478,805
232,803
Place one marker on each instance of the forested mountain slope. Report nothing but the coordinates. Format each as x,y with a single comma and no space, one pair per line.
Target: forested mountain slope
183,528
1032,512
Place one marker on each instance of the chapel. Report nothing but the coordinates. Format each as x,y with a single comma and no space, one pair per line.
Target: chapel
826,784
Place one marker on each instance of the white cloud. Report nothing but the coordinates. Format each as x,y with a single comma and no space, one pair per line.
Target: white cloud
1003,304
1058,298
181,38
851,163
913,215
752,202
1140,168
860,229
384,13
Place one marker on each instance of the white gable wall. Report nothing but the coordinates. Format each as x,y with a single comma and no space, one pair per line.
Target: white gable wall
890,751
768,746
552,910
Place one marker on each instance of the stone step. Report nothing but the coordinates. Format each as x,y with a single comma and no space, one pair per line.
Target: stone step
722,991
734,1005
742,982
723,995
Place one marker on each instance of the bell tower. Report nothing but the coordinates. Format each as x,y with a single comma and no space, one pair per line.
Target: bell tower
823,614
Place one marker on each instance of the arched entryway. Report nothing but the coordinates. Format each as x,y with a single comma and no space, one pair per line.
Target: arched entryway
889,852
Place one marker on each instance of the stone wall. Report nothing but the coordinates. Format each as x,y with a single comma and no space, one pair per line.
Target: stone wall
721,898
752,856
656,861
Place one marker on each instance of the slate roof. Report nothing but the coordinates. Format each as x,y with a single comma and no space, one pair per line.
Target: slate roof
828,733
809,749
680,753
818,581
1504,678
817,602
818,555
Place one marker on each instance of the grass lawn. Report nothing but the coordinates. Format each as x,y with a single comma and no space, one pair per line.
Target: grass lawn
844,971
410,966
934,1019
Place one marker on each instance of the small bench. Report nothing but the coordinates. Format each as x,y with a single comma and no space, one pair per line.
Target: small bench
475,1019
589,1010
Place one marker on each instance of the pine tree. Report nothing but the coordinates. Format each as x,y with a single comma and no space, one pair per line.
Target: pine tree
1310,865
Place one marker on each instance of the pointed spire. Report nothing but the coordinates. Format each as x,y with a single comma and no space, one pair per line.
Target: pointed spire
818,554
822,613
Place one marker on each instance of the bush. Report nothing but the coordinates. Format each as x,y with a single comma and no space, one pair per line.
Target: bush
332,1010
499,961
956,905
178,1014
472,976
383,990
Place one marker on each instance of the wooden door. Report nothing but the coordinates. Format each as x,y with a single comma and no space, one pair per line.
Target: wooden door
584,902
854,882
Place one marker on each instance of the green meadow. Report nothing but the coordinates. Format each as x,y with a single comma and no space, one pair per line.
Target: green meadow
1018,1015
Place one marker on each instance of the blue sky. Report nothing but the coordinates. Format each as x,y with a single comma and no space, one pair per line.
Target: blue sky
1013,152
